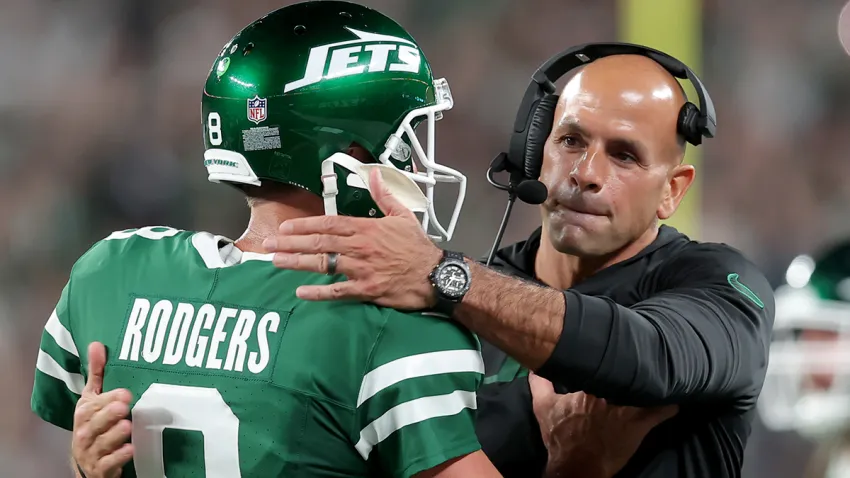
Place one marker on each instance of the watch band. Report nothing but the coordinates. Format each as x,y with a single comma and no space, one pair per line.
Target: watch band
445,305
452,255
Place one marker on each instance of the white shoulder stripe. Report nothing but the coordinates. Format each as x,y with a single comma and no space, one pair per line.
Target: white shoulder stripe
431,313
61,335
411,412
74,381
432,363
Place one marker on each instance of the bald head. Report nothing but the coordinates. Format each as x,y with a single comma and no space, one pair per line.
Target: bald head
636,72
636,87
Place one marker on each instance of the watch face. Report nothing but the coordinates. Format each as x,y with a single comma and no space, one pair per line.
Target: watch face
452,280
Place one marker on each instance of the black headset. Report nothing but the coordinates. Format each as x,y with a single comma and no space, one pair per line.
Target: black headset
537,114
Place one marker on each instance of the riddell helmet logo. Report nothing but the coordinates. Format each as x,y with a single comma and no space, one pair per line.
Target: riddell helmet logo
346,53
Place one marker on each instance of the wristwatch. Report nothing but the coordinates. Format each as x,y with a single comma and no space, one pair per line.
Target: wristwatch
450,279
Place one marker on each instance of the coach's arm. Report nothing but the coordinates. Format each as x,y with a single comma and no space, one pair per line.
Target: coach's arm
700,338
704,337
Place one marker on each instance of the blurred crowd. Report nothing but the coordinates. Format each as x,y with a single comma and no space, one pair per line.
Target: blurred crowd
100,130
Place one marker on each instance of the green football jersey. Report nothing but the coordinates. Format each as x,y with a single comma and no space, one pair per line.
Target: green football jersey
233,376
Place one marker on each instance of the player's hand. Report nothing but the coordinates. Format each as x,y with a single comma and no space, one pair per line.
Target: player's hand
387,260
101,428
587,437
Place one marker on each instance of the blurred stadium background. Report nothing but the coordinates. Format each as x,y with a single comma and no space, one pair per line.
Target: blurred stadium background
100,130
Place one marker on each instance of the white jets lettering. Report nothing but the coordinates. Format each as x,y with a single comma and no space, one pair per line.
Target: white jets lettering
348,58
215,339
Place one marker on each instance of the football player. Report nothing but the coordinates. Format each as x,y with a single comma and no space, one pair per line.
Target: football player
807,387
230,374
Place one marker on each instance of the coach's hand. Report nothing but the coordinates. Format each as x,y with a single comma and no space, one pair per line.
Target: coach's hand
387,260
587,437
99,445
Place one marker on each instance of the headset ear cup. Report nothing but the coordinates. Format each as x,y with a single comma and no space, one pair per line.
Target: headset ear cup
688,125
538,132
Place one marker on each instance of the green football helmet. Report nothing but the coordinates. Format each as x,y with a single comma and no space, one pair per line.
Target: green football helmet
807,386
293,91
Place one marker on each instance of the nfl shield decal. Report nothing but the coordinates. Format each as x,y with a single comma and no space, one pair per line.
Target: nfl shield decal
257,109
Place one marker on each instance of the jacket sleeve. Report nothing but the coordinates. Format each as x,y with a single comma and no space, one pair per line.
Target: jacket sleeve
508,431
702,337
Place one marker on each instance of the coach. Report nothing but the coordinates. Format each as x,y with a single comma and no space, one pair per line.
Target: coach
634,313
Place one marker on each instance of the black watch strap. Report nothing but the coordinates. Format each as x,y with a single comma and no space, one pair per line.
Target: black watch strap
452,255
446,305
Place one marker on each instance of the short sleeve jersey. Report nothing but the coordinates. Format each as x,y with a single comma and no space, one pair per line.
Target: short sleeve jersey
233,376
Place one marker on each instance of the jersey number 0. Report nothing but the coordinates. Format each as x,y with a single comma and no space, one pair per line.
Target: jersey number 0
185,408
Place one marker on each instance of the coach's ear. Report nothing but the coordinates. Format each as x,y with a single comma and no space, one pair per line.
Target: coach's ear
678,182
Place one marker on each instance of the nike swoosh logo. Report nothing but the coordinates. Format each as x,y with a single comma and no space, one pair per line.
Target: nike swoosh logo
746,291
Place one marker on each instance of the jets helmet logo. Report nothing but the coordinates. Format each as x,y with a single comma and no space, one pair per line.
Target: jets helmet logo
350,58
257,109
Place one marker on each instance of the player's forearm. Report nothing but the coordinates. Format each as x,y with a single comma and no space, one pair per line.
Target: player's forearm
522,319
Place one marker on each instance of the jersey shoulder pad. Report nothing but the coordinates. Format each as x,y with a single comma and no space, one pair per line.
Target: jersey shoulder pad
424,332
123,248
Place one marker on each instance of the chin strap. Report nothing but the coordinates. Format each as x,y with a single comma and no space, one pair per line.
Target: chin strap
329,188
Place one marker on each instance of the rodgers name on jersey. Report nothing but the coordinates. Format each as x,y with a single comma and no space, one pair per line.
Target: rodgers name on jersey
166,332
233,376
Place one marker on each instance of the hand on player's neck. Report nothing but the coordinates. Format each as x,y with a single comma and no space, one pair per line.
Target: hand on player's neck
268,212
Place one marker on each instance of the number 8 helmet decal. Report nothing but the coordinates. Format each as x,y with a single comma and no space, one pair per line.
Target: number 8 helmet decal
293,91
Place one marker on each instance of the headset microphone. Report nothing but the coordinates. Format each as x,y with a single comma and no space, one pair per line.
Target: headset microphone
529,191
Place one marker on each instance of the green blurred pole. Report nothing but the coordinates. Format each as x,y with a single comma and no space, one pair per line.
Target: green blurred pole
674,27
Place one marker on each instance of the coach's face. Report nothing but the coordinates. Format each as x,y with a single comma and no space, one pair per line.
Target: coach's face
613,160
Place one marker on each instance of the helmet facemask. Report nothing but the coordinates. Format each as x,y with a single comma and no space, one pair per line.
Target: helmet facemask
407,182
807,385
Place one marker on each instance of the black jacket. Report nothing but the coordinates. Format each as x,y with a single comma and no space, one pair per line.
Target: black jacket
682,322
